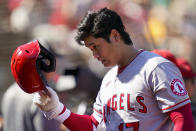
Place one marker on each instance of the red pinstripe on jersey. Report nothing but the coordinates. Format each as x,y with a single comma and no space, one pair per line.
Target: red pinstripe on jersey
175,104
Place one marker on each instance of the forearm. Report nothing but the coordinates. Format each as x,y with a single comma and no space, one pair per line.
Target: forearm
77,122
73,121
182,118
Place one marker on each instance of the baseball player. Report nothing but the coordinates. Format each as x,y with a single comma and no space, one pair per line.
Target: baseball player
142,92
188,75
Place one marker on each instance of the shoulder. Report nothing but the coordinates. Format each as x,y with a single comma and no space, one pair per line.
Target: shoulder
11,91
14,93
148,64
151,61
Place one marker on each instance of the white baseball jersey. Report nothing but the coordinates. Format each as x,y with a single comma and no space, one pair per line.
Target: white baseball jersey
138,98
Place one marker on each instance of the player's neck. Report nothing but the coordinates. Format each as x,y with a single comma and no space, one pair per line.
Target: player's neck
129,53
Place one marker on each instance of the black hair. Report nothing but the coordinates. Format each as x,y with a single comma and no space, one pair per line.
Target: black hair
100,24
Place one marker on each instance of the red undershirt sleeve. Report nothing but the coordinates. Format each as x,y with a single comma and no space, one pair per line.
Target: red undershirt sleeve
182,118
77,122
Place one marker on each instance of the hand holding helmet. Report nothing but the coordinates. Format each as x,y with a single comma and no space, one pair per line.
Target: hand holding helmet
51,106
27,64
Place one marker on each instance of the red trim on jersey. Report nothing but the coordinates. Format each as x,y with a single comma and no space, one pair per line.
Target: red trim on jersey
108,84
175,104
182,118
77,122
120,69
97,111
95,122
62,110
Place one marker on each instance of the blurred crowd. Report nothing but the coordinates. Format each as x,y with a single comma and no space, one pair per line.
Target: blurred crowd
152,24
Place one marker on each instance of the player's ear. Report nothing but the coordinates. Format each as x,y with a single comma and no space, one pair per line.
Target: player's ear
114,36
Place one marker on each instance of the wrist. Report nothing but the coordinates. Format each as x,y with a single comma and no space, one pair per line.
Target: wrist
64,115
53,113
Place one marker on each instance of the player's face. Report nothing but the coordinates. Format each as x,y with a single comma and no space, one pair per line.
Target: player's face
102,50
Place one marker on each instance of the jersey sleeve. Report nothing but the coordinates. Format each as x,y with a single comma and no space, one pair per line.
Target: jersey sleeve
97,115
168,87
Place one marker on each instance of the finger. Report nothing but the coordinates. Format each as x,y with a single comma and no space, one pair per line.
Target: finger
41,98
44,93
40,106
47,92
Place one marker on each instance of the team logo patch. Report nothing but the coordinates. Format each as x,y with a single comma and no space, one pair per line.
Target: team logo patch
177,87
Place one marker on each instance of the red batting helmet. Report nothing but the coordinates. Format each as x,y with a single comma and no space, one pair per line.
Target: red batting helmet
27,62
